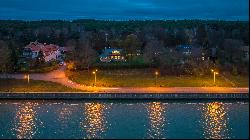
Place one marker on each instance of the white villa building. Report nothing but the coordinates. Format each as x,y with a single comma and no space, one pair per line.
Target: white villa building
50,52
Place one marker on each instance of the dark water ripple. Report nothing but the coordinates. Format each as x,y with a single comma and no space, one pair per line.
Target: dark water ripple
123,119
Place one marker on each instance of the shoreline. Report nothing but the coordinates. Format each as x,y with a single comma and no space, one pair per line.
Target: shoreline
121,96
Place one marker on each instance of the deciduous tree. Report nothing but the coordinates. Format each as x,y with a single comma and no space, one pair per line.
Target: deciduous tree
85,55
5,57
131,44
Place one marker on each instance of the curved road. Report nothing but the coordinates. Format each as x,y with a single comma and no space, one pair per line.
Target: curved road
58,76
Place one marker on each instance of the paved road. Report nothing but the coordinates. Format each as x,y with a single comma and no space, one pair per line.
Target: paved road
58,76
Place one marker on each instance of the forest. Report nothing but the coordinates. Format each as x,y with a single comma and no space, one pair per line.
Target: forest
157,40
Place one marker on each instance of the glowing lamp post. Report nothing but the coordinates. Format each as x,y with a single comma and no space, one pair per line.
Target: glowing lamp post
156,74
94,72
215,73
27,77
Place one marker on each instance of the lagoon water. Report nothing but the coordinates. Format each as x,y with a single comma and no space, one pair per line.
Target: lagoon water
123,119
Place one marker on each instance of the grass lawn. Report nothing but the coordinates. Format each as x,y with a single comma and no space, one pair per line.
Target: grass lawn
240,81
43,68
16,85
146,78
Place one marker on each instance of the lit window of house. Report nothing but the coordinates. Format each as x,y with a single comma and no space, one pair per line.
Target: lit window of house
112,55
115,52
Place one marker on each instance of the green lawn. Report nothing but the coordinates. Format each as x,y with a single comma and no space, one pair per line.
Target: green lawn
44,69
14,85
47,67
146,78
240,81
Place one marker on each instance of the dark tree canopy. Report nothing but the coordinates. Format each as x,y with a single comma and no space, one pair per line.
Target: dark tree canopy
127,35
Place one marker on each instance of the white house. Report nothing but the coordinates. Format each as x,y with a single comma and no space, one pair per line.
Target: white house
50,52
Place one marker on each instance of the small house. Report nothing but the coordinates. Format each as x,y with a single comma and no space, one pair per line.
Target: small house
184,49
111,54
50,52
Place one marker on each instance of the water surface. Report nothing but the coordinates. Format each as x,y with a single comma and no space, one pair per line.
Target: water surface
123,119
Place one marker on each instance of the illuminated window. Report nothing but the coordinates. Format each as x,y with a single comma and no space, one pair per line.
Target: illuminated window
115,52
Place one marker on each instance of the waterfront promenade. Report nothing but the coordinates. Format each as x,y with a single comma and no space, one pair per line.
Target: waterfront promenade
58,76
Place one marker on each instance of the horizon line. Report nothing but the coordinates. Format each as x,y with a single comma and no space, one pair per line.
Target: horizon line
33,20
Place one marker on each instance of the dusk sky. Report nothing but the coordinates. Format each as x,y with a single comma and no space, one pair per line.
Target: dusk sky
124,9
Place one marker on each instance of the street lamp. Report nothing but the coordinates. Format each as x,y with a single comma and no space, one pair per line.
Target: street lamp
215,73
94,72
156,74
27,77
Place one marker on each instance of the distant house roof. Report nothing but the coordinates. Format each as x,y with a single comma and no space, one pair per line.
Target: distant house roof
33,48
180,47
184,49
46,49
109,51
195,51
103,55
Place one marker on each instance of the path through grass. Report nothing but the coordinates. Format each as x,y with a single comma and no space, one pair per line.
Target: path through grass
16,85
146,78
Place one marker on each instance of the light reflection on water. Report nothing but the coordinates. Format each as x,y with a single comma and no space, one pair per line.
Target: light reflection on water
215,121
212,120
94,123
156,113
26,121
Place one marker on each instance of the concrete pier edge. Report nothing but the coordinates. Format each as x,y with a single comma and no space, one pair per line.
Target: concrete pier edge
125,96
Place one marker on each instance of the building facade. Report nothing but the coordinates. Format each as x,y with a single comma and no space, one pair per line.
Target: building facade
50,52
111,54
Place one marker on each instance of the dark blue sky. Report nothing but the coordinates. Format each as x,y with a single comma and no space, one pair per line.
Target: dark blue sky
124,9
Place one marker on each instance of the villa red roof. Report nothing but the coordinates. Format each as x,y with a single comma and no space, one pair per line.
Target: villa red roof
46,49
33,48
